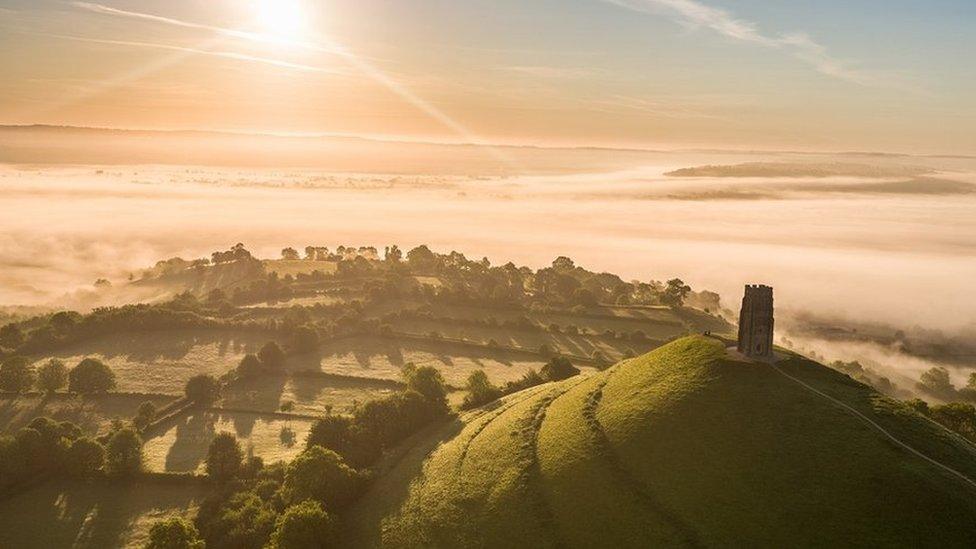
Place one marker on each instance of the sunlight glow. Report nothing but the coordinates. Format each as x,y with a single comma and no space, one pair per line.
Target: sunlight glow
281,18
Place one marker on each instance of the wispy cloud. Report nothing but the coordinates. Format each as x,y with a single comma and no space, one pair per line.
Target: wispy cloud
223,54
694,14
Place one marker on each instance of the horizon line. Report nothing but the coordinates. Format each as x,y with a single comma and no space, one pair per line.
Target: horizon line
407,140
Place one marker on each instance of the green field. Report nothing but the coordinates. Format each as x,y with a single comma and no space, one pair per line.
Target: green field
681,447
300,266
304,301
183,446
161,362
94,414
309,395
571,345
91,516
382,358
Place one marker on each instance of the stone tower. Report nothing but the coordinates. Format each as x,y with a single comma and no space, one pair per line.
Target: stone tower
756,322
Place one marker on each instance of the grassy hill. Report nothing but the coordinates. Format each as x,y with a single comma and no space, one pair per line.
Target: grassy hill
684,446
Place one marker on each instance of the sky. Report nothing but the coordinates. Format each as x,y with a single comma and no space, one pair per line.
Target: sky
838,75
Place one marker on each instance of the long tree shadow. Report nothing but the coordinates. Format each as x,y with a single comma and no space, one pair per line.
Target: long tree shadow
193,436
77,514
172,345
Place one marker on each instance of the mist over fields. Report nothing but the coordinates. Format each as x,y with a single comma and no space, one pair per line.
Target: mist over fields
870,238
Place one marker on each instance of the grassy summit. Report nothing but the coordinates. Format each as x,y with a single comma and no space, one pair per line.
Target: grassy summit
683,446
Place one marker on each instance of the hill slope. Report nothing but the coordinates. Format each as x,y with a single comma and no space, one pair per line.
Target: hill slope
684,446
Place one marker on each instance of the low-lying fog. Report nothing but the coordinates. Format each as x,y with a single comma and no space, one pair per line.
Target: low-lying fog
897,246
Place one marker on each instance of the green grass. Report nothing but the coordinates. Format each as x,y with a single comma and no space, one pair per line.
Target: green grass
304,301
572,345
680,447
162,362
94,414
382,358
183,446
75,514
309,395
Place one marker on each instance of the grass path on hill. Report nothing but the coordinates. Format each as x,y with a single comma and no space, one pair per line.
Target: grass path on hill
582,487
485,418
622,474
879,428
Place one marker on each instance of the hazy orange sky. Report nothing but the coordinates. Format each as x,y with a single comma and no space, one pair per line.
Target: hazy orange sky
881,75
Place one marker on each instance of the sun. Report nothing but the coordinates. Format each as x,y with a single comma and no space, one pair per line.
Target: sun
281,18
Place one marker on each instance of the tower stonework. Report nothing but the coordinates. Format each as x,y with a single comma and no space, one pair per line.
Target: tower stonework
756,322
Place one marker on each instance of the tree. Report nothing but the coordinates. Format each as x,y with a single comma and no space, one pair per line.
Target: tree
304,526
271,356
85,457
559,368
675,293
53,375
290,254
393,254
427,381
91,376
563,264
480,389
421,258
145,415
249,367
584,297
11,336
958,417
225,458
123,455
202,390
320,474
936,382
16,374
64,320
174,533
245,521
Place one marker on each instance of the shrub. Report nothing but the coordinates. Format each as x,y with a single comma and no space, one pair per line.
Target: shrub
174,533
480,390
16,374
224,458
559,368
91,376
304,526
203,390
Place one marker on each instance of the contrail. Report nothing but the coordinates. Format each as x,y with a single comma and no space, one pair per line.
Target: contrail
357,62
224,54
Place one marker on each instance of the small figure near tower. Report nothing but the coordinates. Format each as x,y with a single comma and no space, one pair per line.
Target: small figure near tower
756,322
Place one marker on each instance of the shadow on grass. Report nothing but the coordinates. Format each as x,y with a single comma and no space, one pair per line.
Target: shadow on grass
77,514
